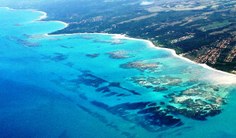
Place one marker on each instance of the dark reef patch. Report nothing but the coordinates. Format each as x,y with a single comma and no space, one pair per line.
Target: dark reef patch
149,117
56,57
89,80
92,55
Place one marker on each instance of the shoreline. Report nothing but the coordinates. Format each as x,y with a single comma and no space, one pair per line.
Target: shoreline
41,18
150,43
123,36
173,52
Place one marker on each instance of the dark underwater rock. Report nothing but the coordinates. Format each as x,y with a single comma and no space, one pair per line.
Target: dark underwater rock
92,55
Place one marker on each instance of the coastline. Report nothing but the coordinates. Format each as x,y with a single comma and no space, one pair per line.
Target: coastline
231,77
123,36
110,85
42,17
173,52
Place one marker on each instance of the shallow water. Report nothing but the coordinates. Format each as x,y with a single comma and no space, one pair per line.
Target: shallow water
81,85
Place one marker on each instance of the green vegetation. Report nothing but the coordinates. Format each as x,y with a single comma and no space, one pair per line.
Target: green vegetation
215,25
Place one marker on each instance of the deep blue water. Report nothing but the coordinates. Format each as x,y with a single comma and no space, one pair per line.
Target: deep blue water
87,85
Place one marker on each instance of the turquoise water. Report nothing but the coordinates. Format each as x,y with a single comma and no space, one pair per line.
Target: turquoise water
86,85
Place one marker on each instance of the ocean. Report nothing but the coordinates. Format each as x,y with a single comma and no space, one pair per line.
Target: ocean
104,85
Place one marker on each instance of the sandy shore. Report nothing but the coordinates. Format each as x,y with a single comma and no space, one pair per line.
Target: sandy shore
222,77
